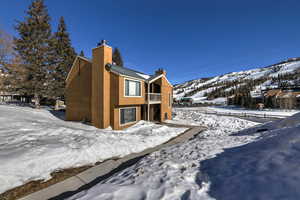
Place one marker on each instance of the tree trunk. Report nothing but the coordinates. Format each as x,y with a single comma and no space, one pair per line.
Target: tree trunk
37,101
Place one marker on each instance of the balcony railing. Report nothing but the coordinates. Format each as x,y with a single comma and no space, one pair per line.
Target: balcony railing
153,97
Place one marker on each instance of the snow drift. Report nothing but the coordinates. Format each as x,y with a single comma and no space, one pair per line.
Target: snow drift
34,143
265,169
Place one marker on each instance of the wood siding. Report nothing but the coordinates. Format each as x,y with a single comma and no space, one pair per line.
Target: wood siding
78,92
122,100
102,55
95,94
116,121
166,105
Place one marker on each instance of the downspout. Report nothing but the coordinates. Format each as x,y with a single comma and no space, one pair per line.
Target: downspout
148,101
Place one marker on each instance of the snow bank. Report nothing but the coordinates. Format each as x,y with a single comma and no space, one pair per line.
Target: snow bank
34,143
173,172
266,169
216,101
236,110
214,165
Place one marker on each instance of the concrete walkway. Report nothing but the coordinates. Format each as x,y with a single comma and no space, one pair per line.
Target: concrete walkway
96,174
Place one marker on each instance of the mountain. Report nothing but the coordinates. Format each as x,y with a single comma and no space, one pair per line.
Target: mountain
216,89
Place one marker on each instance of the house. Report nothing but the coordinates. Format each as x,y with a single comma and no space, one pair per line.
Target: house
10,97
289,100
105,94
284,98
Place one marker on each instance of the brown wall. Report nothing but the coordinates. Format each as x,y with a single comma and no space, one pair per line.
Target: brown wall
95,94
116,121
118,100
78,92
122,100
102,55
166,105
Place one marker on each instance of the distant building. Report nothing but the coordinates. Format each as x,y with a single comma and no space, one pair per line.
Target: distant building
284,98
10,97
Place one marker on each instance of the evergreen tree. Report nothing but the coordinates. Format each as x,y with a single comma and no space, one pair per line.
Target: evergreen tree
33,47
117,58
64,58
81,53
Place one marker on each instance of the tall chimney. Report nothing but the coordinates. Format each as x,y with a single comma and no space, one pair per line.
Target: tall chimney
102,55
161,71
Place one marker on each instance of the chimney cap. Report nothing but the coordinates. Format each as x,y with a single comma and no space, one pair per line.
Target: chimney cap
160,71
103,42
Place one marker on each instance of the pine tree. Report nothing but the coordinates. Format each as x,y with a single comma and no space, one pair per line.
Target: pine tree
81,53
64,57
33,47
117,58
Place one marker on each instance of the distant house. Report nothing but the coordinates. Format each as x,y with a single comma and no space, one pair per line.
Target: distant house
105,94
10,97
284,98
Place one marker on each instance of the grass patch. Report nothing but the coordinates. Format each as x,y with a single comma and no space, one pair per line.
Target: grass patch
34,186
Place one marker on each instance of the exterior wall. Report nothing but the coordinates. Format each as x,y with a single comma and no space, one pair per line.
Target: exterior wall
78,92
101,108
114,84
166,102
116,119
95,94
122,100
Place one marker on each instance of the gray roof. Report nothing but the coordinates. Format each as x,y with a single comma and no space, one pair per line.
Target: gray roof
127,72
153,77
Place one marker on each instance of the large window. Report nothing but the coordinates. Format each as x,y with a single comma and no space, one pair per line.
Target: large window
127,115
132,88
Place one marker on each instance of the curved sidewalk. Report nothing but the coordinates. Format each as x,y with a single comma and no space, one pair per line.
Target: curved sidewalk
94,175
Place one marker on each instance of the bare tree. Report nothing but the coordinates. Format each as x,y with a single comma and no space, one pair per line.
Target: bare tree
6,48
12,74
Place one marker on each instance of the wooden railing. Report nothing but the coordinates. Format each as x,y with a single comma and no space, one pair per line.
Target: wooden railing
153,97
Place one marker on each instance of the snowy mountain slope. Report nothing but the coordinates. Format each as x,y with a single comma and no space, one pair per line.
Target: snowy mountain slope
261,77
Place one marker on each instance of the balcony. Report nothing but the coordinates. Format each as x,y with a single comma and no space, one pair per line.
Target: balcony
153,98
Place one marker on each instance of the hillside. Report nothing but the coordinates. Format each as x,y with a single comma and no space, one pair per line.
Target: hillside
215,89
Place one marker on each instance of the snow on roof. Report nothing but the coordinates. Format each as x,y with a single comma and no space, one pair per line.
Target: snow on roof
145,76
128,72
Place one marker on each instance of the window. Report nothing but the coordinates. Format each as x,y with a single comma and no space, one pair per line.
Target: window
127,115
132,88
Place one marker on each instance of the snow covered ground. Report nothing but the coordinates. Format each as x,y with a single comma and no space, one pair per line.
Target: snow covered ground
173,172
265,169
236,110
34,143
216,101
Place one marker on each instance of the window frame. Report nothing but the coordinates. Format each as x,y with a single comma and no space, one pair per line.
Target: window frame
135,80
120,123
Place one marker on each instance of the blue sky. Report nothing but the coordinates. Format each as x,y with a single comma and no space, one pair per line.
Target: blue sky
190,39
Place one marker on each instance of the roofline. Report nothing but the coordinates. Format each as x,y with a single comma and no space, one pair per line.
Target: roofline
102,45
160,76
145,80
117,73
75,60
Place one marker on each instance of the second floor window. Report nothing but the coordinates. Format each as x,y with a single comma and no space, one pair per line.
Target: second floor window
132,88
